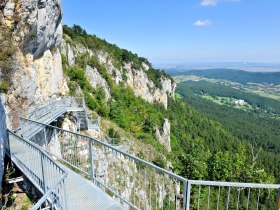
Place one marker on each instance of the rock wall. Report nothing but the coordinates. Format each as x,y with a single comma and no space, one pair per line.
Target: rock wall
164,137
36,80
137,79
37,66
96,80
38,23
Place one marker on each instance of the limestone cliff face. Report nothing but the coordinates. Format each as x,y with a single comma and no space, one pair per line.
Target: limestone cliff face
137,79
38,23
36,80
164,137
37,67
96,80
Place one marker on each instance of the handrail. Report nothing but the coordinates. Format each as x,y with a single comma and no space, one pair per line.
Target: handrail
50,102
230,195
32,107
234,184
48,193
37,147
14,115
45,186
81,151
161,178
84,153
113,148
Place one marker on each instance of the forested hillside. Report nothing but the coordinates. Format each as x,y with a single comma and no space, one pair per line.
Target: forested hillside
201,148
259,104
239,76
254,127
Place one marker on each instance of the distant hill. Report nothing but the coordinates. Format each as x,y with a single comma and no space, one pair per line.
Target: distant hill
239,76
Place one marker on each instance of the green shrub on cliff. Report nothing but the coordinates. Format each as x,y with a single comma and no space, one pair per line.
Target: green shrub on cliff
7,50
3,87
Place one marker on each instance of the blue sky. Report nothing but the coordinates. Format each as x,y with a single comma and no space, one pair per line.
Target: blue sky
176,31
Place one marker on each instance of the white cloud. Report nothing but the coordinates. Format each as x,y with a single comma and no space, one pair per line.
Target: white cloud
200,23
206,3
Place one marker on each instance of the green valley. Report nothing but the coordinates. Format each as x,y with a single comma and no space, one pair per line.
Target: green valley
258,125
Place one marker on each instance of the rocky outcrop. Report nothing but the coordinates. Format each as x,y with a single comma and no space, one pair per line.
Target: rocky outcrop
69,123
137,79
38,75
145,88
36,80
37,65
38,23
164,137
44,28
96,80
3,139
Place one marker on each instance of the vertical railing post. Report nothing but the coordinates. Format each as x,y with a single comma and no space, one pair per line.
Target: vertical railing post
91,160
84,103
187,194
45,137
43,173
56,143
87,120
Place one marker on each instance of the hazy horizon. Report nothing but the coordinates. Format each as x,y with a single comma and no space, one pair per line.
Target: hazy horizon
246,66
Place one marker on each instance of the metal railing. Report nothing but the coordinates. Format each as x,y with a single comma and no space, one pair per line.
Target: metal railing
93,121
51,196
13,118
38,111
43,110
134,182
46,175
142,185
47,112
73,102
139,184
230,195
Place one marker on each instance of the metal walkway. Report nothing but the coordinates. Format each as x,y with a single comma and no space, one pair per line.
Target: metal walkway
75,171
81,193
